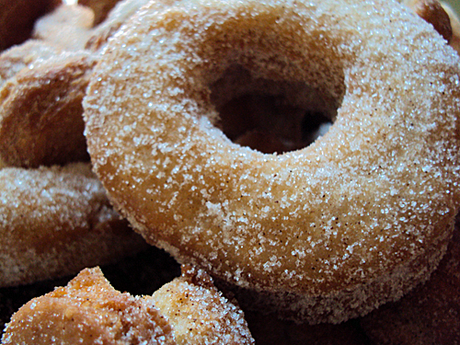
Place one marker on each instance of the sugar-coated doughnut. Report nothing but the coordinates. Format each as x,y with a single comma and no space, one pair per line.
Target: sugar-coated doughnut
41,110
323,233
187,310
55,221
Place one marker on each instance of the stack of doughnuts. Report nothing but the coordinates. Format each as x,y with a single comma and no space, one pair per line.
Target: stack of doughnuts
56,218
303,154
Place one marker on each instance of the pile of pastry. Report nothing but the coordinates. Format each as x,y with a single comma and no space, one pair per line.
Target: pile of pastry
63,216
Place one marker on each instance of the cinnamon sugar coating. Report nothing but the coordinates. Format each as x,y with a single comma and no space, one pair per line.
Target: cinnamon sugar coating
320,234
187,310
199,313
56,221
88,311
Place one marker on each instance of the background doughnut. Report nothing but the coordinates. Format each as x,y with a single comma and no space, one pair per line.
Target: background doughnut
119,14
68,26
41,110
427,315
55,221
21,56
101,8
272,224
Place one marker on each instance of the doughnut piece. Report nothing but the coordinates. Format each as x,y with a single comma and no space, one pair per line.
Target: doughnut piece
41,110
17,19
199,313
90,311
427,315
55,221
320,234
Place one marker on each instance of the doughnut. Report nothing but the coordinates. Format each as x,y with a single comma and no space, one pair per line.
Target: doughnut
55,221
17,19
429,314
323,233
90,311
41,110
21,56
68,26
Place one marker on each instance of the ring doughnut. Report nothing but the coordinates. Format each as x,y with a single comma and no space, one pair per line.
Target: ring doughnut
322,233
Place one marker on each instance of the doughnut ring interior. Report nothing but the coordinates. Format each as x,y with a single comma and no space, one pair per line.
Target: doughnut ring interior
321,233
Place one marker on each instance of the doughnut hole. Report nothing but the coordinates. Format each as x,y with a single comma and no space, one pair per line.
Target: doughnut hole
271,116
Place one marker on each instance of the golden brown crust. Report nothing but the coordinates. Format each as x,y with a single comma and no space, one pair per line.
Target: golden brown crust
41,112
199,313
330,231
56,221
88,311
18,17
427,315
